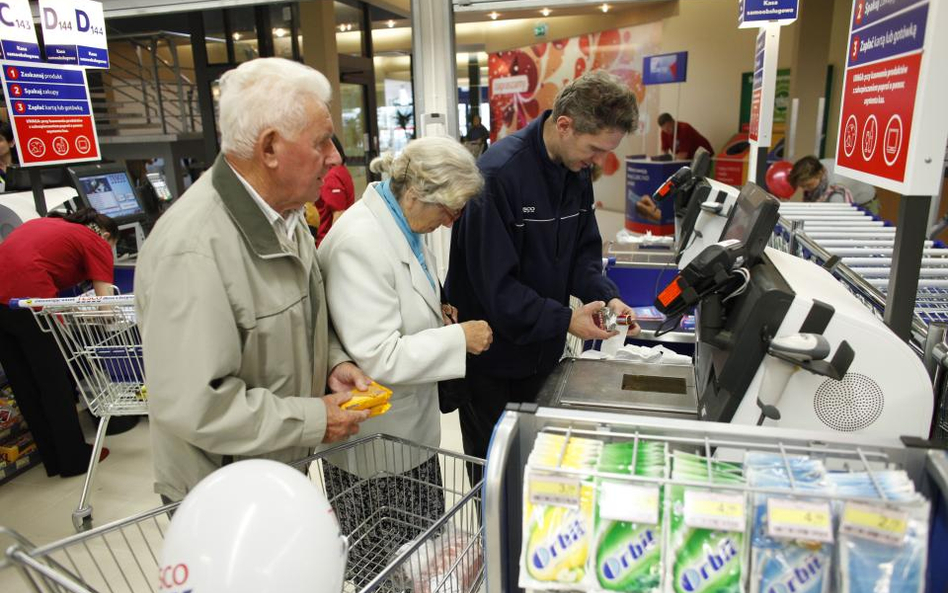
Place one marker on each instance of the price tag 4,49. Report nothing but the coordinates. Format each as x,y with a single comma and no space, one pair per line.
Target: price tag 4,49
799,519
723,511
877,523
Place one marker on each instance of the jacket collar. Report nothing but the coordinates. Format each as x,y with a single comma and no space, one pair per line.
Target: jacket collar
246,214
419,280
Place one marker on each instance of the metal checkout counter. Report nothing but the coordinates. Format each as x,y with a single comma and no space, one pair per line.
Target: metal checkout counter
788,362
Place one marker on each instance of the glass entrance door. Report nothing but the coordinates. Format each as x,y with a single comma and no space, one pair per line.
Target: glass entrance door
354,134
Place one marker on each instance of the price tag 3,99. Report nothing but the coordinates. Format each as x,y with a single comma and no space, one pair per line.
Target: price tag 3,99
556,490
799,519
876,523
723,511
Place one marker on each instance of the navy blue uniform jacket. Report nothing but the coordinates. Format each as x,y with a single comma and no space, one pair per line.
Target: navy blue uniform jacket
520,250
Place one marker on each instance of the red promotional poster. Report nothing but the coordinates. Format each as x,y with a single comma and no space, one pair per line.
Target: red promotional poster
755,115
876,120
50,113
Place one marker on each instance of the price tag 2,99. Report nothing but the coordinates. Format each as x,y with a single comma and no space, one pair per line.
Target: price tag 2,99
555,490
723,511
799,519
877,523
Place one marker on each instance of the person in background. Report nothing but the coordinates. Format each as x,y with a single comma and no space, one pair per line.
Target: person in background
239,353
337,194
688,140
6,152
816,179
385,302
530,242
40,258
477,132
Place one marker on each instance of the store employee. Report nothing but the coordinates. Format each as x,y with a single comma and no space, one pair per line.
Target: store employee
687,142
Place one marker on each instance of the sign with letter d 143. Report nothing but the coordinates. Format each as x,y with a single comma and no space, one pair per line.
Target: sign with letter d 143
50,113
893,124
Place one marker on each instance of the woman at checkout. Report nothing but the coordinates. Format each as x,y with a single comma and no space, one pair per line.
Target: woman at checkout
384,299
41,258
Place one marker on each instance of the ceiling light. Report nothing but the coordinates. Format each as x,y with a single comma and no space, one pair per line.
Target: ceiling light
493,16
279,32
604,7
390,23
546,12
236,36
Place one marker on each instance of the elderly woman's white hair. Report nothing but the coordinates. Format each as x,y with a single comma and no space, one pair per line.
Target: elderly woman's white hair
439,168
267,93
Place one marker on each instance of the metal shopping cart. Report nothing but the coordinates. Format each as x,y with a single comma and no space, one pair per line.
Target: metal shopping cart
100,342
393,546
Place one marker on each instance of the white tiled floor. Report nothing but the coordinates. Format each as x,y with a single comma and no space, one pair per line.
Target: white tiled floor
40,508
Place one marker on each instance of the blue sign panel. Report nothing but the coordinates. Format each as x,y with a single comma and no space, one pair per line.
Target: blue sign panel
29,90
61,54
31,107
665,68
900,34
866,12
50,75
764,11
93,57
20,50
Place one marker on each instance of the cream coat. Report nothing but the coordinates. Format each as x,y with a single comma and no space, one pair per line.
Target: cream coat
235,334
388,318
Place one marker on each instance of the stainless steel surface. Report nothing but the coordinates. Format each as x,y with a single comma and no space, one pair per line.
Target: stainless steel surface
495,533
622,386
124,555
635,256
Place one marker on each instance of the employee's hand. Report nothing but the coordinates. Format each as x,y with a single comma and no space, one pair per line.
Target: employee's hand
620,308
583,326
681,156
341,423
449,314
346,376
477,336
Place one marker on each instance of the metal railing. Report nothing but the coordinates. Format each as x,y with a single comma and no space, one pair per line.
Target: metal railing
146,90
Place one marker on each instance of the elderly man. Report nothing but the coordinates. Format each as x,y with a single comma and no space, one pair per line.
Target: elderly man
238,350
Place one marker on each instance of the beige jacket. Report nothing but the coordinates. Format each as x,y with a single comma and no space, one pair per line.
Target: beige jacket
235,335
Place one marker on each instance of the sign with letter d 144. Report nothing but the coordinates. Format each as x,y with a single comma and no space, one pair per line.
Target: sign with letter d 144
893,125
74,32
50,113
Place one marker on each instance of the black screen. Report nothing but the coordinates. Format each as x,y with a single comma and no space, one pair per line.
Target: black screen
752,221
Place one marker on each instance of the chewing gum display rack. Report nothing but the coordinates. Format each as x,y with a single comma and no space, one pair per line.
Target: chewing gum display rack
736,528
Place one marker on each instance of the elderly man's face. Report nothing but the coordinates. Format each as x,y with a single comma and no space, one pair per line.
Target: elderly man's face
304,162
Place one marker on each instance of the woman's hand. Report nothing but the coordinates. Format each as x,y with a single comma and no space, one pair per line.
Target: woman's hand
477,335
449,314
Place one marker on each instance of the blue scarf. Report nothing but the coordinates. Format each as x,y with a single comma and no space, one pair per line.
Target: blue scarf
414,239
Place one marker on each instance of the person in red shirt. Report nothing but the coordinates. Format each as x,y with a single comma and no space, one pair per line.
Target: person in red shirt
337,194
41,258
688,140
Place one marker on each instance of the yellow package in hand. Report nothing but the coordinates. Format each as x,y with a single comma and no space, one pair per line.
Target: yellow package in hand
375,395
379,410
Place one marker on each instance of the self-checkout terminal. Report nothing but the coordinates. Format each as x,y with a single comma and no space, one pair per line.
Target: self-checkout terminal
779,341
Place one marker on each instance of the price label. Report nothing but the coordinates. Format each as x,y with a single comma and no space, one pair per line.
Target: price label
629,502
556,490
799,519
714,510
877,523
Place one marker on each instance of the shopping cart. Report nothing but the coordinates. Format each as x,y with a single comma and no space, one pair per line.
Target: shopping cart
100,342
392,545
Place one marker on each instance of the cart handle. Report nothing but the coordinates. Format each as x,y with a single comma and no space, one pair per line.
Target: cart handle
35,304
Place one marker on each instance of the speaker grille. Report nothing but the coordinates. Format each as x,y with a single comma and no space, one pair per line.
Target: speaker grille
848,405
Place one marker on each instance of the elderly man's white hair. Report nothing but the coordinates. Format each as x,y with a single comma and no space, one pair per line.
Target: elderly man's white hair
267,93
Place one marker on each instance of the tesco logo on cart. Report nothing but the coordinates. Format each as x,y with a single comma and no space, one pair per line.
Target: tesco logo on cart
172,577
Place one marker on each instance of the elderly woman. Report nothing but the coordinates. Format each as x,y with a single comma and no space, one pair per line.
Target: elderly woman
384,299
